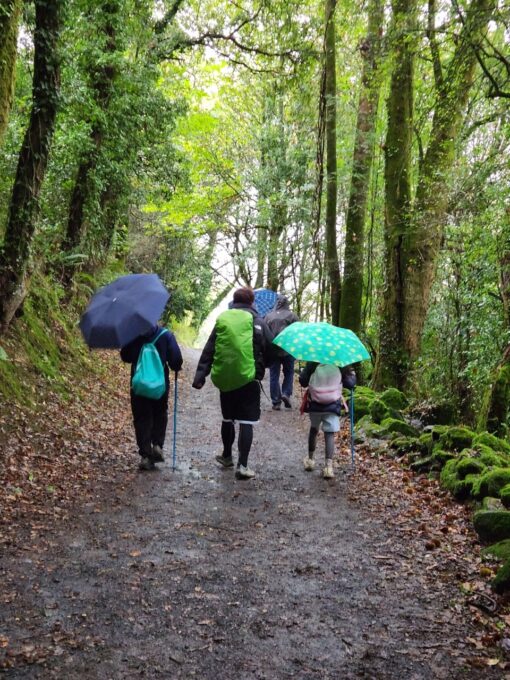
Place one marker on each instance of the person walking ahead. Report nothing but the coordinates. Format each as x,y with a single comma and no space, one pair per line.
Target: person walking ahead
150,416
277,320
323,404
235,356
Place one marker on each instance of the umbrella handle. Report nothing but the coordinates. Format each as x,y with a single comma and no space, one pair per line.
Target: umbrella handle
352,427
175,422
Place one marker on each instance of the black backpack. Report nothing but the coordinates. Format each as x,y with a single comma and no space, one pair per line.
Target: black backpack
348,377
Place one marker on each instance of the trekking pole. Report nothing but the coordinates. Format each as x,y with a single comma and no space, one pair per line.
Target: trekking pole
352,428
175,423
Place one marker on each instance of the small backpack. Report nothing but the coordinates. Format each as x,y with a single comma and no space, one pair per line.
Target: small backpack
234,361
149,376
325,386
349,379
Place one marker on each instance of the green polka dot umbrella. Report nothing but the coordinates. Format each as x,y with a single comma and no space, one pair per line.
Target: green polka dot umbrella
323,343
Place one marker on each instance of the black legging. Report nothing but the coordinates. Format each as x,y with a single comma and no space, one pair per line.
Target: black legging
329,438
244,442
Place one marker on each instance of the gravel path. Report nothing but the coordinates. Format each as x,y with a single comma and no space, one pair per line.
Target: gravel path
195,574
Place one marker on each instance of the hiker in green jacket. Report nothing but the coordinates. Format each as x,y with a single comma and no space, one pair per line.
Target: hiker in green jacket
236,354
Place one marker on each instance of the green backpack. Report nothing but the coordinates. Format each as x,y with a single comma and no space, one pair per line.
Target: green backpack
234,362
149,376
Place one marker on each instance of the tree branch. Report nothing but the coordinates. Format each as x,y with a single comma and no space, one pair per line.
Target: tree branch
434,47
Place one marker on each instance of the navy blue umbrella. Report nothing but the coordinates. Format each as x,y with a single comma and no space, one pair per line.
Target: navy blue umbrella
124,309
265,300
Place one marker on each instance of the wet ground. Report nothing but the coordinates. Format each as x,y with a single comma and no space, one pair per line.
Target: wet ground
191,573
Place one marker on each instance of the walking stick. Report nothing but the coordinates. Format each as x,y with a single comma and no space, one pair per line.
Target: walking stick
352,428
175,423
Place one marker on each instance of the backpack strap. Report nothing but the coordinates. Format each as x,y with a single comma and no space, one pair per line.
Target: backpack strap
163,330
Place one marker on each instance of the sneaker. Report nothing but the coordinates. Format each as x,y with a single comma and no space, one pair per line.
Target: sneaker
277,407
146,464
226,462
244,472
157,454
327,472
308,463
286,401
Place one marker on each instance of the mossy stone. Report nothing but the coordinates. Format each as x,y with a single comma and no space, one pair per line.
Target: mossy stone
361,407
491,482
504,494
404,445
456,438
395,399
493,442
468,466
492,525
490,503
501,550
438,430
501,582
370,429
426,442
379,411
489,457
442,457
390,425
422,464
365,393
459,488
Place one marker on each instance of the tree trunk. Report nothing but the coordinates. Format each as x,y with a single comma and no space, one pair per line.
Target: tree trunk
413,238
332,264
391,366
278,200
102,76
352,283
261,255
423,240
33,159
10,11
494,412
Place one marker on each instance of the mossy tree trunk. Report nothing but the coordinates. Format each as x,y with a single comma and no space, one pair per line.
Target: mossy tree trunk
390,369
352,282
32,162
494,412
102,73
10,11
413,234
277,157
423,238
332,264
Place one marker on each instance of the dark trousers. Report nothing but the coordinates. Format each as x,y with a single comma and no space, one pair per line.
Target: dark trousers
150,418
287,364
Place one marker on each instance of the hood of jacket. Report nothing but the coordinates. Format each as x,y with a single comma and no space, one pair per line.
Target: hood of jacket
281,303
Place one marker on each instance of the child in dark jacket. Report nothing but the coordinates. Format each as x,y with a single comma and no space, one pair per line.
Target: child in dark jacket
324,404
150,416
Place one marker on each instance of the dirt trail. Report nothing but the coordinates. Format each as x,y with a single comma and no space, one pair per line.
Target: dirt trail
194,574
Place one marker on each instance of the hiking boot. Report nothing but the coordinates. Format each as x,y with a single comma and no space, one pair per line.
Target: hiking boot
146,464
225,461
157,454
286,401
277,407
244,472
308,463
327,472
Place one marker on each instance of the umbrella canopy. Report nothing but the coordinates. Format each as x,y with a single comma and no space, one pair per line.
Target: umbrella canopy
265,300
124,309
323,343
